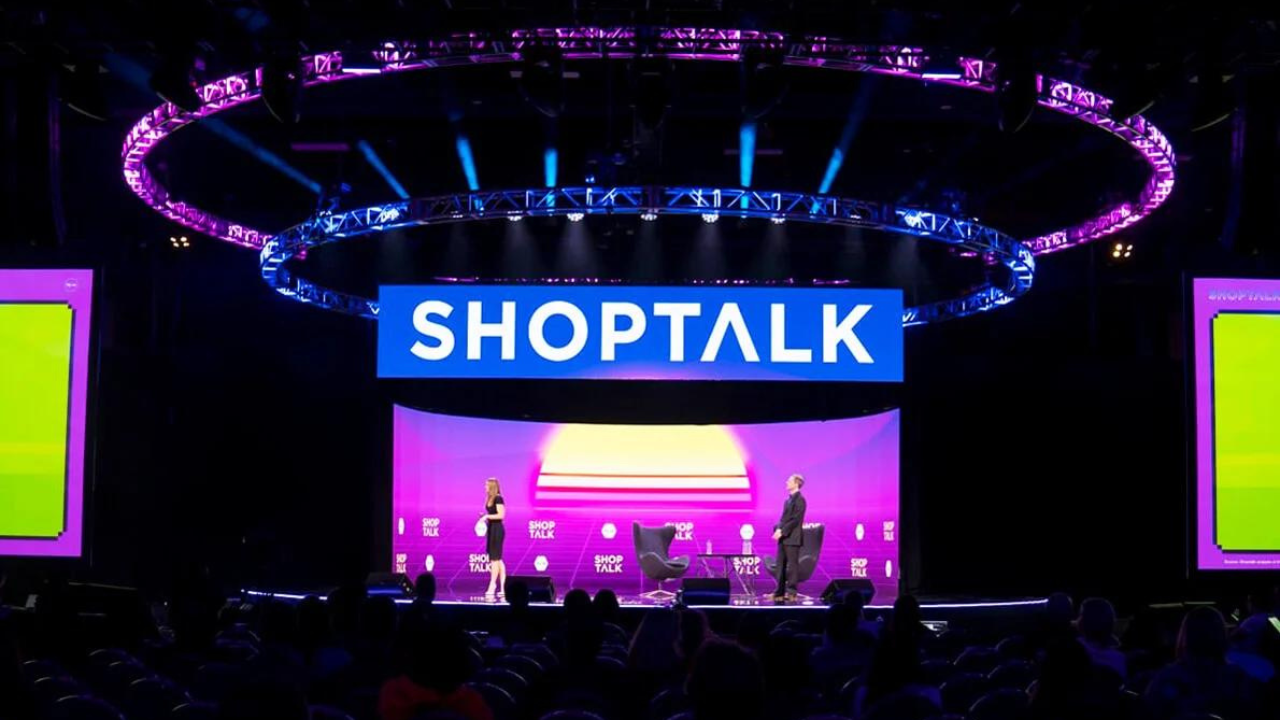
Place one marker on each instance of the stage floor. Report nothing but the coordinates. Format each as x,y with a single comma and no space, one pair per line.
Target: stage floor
929,605
479,613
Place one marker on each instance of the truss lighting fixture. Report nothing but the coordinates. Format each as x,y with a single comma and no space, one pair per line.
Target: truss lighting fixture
662,47
1010,266
710,217
575,216
179,243
1122,251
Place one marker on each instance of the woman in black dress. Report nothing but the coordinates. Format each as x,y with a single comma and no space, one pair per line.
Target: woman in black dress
494,513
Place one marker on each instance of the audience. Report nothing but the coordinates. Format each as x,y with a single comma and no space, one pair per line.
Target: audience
1201,680
371,660
438,665
726,683
1097,625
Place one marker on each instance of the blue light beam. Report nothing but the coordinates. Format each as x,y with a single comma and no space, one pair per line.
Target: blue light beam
857,113
136,75
371,155
468,161
550,165
746,152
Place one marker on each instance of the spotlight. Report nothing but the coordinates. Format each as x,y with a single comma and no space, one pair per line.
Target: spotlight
777,220
174,82
710,217
1015,88
81,90
764,82
282,87
575,216
648,216
652,91
1213,103
542,79
179,243
1122,251
514,218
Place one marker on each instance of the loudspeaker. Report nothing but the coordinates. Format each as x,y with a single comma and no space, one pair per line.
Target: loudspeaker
387,583
541,589
837,589
704,591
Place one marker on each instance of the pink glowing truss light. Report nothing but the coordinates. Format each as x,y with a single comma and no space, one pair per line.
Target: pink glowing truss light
699,44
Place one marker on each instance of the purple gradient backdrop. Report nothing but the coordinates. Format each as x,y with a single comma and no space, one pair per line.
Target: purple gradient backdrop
75,288
440,462
1211,296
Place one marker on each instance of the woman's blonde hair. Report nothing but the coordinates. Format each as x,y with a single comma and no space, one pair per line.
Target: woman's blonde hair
491,490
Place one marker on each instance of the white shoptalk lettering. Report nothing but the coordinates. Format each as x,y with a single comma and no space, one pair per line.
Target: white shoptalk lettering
608,564
858,567
478,562
542,529
837,331
684,530
431,527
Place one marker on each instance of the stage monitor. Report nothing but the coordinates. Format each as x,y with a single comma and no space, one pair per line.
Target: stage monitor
44,384
573,492
1236,334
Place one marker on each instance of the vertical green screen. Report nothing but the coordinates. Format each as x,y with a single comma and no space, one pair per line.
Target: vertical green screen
35,379
1246,426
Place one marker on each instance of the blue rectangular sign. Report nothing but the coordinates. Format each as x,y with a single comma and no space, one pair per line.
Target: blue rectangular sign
632,332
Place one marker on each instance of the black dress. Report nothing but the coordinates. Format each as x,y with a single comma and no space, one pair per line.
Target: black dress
496,533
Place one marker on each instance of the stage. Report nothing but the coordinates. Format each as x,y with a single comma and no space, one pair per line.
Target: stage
975,614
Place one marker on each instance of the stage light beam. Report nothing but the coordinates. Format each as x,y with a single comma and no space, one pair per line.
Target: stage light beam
371,156
857,113
465,157
550,166
263,155
746,152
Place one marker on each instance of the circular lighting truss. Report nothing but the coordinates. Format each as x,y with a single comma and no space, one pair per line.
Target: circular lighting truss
997,249
697,44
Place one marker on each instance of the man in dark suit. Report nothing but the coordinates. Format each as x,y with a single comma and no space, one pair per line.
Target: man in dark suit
789,532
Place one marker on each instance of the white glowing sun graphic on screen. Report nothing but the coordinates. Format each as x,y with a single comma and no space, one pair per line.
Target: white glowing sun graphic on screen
610,464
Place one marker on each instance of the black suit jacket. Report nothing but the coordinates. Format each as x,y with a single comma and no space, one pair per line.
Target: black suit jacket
792,522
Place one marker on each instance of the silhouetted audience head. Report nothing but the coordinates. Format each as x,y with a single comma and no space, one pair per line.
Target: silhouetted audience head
1097,621
606,605
345,604
908,622
1203,636
313,623
439,658
855,602
655,648
378,618
840,624
424,588
1066,687
1060,608
577,605
726,683
895,663
694,631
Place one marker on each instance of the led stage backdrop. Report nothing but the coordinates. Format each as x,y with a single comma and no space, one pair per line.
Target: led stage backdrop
1237,380
44,375
573,491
